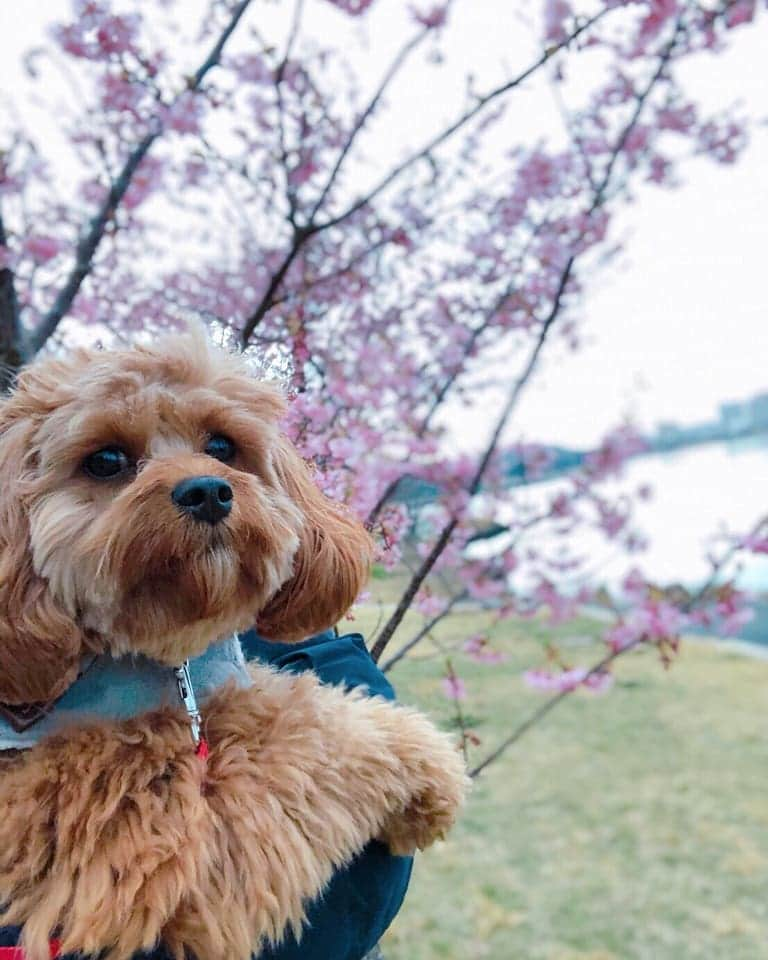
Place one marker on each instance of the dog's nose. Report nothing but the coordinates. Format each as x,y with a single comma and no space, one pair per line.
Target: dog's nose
204,498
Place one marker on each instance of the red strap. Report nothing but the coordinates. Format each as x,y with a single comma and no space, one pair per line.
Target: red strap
16,953
202,752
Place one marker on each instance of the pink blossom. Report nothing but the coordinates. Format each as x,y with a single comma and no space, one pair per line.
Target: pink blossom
253,68
352,7
433,17
185,114
146,180
72,40
616,448
654,621
117,34
303,172
42,247
561,608
566,681
479,649
454,687
428,604
731,610
755,543
739,13
556,12
660,11
120,94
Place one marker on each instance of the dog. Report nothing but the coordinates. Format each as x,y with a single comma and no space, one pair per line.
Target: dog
150,509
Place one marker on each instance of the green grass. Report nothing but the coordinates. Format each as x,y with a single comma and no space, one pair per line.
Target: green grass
630,825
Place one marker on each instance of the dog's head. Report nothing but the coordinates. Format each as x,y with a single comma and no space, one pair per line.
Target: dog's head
150,504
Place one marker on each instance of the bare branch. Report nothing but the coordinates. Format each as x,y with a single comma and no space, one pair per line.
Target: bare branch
548,706
423,632
10,323
90,241
462,121
389,76
303,233
267,301
447,532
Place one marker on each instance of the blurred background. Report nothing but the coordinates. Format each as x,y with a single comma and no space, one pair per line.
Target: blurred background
508,261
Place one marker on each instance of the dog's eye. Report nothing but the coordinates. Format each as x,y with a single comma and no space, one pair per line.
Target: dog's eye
220,447
106,463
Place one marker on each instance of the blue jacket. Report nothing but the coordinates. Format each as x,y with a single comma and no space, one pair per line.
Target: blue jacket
362,899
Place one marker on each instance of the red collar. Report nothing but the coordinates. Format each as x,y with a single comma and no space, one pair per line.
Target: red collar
16,953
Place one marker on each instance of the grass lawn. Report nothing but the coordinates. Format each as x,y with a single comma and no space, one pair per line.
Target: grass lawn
627,825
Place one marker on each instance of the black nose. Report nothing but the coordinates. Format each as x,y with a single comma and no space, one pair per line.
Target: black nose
204,498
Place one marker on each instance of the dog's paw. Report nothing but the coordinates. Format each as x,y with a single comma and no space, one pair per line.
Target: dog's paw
433,807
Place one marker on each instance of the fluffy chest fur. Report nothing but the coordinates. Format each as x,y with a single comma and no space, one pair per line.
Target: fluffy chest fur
117,835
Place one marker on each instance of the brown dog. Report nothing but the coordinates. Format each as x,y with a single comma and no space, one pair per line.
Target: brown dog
150,506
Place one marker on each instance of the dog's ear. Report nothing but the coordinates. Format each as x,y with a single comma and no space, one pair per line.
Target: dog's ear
40,644
331,564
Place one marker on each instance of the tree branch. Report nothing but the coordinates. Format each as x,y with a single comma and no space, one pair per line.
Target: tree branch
10,323
267,301
389,76
445,535
597,201
303,233
462,121
423,632
90,241
546,707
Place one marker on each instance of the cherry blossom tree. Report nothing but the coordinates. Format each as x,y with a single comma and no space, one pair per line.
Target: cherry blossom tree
238,188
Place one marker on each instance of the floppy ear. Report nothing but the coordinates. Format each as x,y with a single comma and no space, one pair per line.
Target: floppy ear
40,644
331,564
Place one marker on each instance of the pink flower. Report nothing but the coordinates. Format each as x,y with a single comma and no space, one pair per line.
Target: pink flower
742,12
146,180
454,687
42,247
117,34
617,447
566,681
556,12
428,604
432,18
755,543
353,7
185,114
121,95
479,649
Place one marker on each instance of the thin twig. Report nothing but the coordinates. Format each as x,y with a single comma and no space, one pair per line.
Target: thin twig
547,706
462,121
423,632
394,68
501,423
301,234
447,532
10,321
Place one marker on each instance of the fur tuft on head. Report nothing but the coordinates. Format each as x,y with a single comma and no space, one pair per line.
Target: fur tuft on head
91,559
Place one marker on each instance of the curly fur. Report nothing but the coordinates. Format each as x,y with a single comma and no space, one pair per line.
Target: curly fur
115,835
113,565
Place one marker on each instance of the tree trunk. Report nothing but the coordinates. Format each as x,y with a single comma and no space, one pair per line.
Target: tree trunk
11,338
